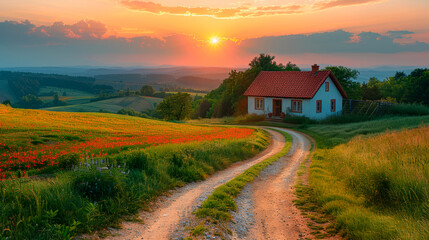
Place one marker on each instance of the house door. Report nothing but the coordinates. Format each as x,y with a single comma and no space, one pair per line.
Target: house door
277,107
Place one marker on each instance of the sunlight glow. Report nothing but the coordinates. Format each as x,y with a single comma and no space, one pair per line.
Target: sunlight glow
214,40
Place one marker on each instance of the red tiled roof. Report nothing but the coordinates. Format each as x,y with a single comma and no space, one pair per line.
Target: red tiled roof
290,84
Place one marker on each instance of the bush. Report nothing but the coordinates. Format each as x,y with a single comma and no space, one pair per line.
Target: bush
345,118
409,109
68,161
98,185
249,118
289,118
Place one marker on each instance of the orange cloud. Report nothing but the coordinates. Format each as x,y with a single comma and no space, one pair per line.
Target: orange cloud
243,11
341,3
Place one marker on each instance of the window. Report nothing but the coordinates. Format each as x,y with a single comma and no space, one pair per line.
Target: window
326,86
319,106
296,106
259,104
333,105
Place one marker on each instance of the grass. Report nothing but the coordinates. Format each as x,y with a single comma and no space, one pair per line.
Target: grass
374,183
102,189
221,202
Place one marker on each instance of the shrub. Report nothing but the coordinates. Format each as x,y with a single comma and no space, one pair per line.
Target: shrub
68,161
249,118
98,185
289,118
345,118
409,109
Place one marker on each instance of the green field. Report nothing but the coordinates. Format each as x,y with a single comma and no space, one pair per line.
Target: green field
72,97
137,103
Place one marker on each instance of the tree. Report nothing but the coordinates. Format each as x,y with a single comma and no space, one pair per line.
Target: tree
346,76
147,90
176,107
371,91
56,99
30,101
7,102
203,109
265,62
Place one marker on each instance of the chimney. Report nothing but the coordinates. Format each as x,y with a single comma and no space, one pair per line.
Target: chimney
315,68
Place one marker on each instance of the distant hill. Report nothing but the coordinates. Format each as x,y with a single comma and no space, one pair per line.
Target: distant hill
133,77
136,103
198,82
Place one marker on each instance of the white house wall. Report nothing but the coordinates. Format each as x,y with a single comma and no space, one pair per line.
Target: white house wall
308,105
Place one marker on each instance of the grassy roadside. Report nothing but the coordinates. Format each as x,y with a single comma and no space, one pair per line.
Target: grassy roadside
370,187
217,207
92,198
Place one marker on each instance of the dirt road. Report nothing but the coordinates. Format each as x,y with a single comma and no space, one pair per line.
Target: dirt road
265,207
166,217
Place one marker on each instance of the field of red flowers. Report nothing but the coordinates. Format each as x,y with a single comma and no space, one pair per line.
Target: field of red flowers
32,140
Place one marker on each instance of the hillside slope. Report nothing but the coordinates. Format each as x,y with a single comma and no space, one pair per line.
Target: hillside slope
136,103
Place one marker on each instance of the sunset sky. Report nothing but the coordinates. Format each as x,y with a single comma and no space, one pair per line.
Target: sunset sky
229,33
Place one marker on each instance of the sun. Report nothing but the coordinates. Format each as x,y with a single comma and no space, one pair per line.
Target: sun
214,40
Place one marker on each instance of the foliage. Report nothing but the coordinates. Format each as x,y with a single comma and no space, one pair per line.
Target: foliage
147,90
409,109
291,118
24,86
371,90
413,88
346,76
176,107
30,101
249,118
203,109
67,161
98,185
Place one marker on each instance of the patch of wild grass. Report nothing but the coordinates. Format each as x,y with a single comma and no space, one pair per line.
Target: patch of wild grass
75,202
328,136
376,187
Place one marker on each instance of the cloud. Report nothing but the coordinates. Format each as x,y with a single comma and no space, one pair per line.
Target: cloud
244,10
400,34
85,29
333,42
341,3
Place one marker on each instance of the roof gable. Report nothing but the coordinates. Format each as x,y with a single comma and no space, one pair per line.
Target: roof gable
290,84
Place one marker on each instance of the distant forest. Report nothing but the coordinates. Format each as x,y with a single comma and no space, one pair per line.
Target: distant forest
23,83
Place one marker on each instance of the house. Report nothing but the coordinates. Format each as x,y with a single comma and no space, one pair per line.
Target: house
314,94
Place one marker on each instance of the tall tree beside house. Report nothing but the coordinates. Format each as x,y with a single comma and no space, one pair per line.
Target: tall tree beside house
346,76
371,90
176,107
227,97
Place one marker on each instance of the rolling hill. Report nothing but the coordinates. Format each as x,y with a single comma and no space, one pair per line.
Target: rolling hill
136,103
